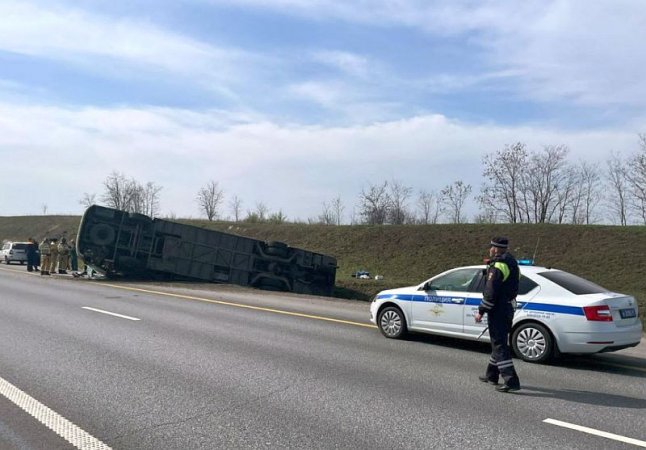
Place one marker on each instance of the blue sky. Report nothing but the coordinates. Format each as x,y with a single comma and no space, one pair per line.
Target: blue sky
293,103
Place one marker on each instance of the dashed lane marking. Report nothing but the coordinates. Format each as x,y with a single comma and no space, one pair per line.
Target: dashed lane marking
290,313
604,434
109,313
277,311
242,305
51,419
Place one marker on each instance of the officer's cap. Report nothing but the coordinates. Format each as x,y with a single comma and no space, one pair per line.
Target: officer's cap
500,242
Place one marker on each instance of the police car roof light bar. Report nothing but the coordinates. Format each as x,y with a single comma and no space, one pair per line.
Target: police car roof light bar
525,262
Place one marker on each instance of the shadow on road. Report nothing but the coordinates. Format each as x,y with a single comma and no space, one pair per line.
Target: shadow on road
590,398
618,364
615,363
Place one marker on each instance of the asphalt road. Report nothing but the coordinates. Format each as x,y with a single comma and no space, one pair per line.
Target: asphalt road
209,366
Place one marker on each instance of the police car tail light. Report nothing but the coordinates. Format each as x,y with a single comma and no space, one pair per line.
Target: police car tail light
598,313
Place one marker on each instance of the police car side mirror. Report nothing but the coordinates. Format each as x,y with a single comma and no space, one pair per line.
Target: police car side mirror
428,286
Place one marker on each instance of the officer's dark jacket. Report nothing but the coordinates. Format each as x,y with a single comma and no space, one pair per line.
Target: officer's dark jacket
501,286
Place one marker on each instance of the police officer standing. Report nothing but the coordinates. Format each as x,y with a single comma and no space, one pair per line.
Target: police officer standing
498,302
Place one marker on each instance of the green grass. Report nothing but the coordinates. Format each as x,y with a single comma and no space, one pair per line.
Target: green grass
614,257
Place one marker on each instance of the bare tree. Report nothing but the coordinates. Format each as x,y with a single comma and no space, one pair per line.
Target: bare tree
353,216
277,217
374,203
327,215
453,198
209,198
548,171
150,201
337,209
128,195
503,188
617,193
399,194
636,176
136,198
119,191
236,207
588,193
261,211
566,196
331,213
87,200
430,206
258,215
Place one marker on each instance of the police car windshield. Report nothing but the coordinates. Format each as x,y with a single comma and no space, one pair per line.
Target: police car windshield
574,284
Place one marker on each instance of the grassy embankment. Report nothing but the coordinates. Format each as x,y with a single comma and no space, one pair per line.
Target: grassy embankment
614,257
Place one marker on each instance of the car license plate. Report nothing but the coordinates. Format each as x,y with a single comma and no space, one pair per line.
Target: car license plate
627,313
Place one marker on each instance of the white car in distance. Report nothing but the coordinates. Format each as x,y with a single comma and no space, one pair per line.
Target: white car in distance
14,252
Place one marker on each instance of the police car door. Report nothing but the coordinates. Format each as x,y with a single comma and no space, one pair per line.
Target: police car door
527,289
444,299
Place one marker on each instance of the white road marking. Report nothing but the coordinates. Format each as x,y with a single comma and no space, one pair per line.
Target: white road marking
109,313
240,305
51,419
604,434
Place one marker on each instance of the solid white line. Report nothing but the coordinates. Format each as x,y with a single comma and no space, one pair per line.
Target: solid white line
604,434
51,419
110,313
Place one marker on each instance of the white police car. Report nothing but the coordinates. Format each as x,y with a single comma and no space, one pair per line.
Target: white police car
557,312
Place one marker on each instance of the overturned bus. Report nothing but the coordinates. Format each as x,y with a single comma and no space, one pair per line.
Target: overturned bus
119,243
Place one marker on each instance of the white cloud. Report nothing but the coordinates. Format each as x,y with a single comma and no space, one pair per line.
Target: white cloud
559,51
115,46
585,53
589,53
293,168
349,63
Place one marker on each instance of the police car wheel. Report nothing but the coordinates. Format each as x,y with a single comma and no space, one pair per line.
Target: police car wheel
532,343
391,323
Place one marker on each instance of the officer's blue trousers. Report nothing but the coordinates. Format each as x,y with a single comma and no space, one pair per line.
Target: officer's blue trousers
500,362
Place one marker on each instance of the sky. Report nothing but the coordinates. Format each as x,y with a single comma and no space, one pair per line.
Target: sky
293,103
